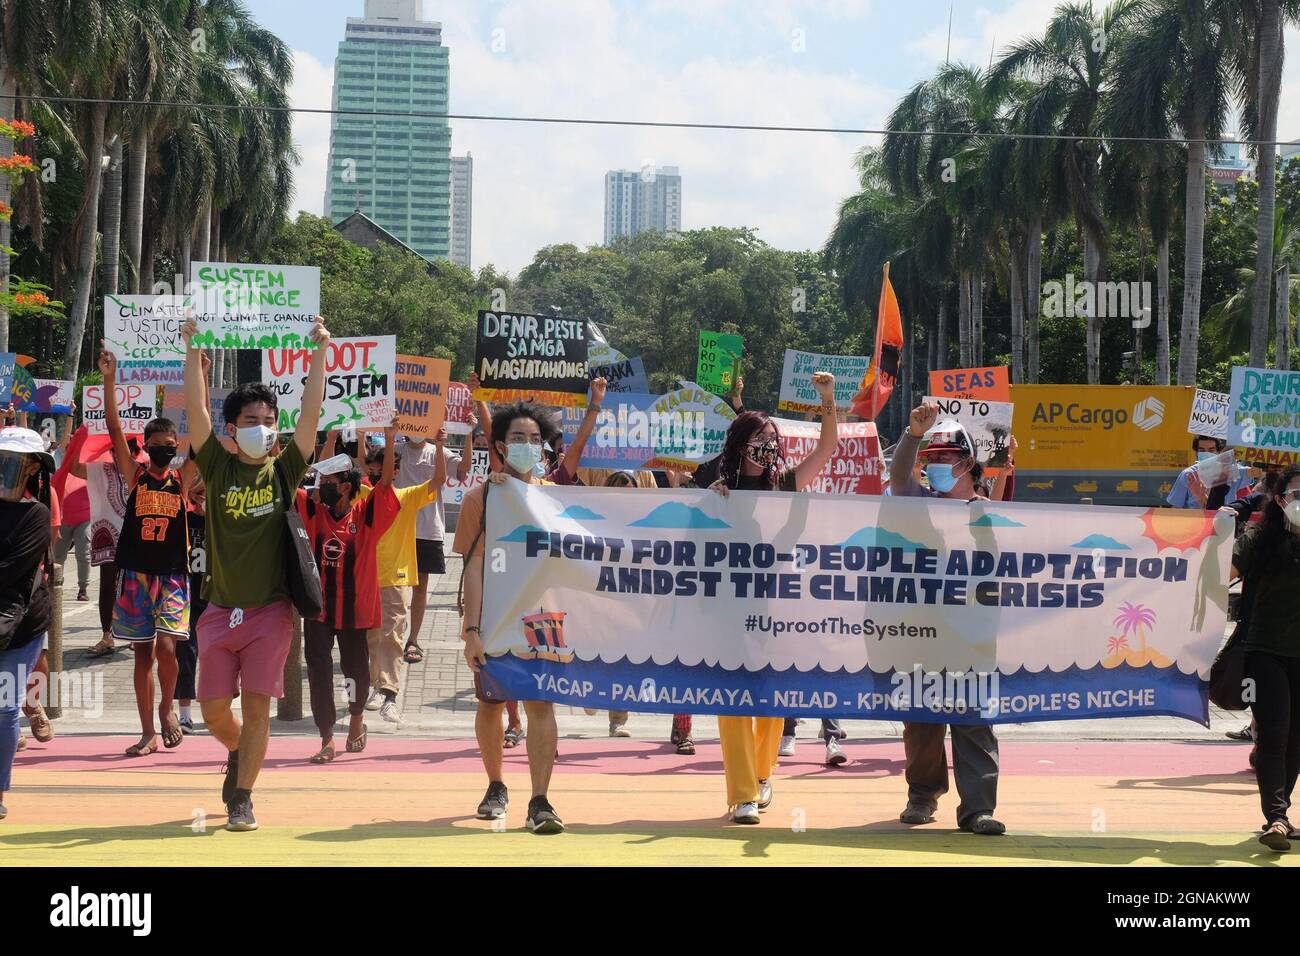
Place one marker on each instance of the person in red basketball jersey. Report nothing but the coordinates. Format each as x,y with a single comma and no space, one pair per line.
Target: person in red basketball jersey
152,611
345,531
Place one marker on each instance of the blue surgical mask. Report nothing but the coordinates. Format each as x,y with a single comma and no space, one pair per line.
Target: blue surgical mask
941,477
1204,455
523,456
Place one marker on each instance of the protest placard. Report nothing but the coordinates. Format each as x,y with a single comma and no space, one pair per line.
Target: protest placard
23,387
359,381
460,406
46,394
621,374
455,490
420,395
8,362
715,364
521,356
253,306
174,408
856,468
1265,409
987,423
1209,414
137,404
797,392
685,427
144,333
992,383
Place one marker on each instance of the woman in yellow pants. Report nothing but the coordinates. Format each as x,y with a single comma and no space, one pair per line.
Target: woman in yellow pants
751,461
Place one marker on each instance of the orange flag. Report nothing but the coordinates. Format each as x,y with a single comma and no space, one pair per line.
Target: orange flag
878,383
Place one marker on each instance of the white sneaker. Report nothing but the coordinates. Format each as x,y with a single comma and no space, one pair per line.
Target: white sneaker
764,794
388,711
835,755
745,813
375,701
619,730
787,747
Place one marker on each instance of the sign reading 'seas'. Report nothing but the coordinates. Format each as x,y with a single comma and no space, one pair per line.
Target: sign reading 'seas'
521,356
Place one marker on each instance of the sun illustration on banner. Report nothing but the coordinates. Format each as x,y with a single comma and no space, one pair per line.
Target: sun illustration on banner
1133,619
1178,528
544,632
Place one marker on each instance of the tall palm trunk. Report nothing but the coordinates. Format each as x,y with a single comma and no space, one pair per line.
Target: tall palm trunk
1017,315
1162,311
1092,321
1034,292
977,316
941,334
1282,303
963,318
133,217
109,252
203,234
86,251
1270,78
7,87
1189,339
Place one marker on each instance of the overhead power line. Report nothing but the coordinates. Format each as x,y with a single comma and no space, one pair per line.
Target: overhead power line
651,124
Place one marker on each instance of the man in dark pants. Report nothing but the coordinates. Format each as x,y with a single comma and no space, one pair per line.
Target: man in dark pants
952,471
832,733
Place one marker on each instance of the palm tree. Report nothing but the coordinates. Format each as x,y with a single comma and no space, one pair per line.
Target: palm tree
1176,70
1135,618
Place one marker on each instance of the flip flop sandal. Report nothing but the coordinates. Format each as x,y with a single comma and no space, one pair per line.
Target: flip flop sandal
413,654
101,649
173,736
136,750
22,742
324,755
513,736
42,729
686,747
357,744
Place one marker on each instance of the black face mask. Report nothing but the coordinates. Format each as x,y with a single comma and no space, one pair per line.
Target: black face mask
161,455
329,495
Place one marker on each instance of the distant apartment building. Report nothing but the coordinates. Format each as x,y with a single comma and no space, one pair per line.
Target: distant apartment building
395,168
1228,164
643,200
462,208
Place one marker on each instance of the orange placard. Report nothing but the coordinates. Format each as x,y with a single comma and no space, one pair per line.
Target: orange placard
991,384
420,394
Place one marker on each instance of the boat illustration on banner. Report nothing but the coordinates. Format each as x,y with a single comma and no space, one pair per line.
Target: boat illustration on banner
544,632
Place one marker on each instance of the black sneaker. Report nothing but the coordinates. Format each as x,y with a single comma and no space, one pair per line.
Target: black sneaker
239,815
542,817
494,802
231,768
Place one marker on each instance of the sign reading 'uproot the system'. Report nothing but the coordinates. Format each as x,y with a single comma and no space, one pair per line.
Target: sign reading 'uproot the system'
521,356
359,381
253,306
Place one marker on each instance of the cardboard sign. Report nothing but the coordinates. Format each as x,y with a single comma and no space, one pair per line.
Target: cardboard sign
8,362
460,406
715,365
455,490
144,333
797,392
987,423
992,383
174,408
359,381
252,306
621,374
856,468
686,427
1265,409
136,406
46,394
1209,414
23,386
421,394
521,356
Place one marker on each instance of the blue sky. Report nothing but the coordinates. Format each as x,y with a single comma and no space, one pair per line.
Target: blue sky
796,62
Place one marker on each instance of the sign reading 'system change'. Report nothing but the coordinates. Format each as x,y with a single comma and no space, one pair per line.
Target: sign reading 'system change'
241,305
521,356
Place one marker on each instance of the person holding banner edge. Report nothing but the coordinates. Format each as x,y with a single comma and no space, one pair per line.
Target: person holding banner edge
751,461
953,471
247,628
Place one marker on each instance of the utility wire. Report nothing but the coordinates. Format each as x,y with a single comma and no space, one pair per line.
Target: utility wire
653,124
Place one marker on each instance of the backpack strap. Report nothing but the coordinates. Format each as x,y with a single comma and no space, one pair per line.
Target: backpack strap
482,529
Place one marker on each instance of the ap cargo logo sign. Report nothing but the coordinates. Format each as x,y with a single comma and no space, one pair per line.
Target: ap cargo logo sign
1149,413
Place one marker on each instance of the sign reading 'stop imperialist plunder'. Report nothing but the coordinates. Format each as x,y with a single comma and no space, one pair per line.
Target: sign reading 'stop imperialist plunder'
779,604
521,356
240,305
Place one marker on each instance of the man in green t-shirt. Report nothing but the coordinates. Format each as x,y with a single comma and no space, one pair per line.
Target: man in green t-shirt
245,632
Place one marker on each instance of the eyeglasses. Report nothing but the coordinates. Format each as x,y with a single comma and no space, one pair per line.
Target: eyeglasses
1292,494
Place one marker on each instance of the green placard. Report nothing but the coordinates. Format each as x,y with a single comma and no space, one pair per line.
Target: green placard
716,367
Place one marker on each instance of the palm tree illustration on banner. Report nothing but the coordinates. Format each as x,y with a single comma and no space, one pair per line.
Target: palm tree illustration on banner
1133,619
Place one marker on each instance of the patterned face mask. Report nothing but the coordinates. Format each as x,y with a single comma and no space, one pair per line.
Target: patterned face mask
764,455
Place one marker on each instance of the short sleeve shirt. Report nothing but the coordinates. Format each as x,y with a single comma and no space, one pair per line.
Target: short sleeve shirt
418,463
470,523
346,553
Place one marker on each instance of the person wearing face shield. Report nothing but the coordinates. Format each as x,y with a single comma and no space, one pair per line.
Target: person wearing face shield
1267,558
1223,486
952,472
25,563
247,628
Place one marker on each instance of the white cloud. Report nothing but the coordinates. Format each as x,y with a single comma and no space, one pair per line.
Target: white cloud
313,84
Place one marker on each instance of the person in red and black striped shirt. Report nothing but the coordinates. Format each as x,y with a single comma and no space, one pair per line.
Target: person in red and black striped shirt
345,532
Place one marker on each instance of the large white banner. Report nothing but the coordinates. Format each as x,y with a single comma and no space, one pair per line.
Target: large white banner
764,603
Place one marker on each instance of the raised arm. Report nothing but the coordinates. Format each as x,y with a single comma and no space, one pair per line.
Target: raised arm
126,465
196,389
807,470
439,478
573,453
390,454
922,417
313,393
466,462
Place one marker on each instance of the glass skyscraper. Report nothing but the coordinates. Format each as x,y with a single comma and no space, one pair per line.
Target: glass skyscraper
395,169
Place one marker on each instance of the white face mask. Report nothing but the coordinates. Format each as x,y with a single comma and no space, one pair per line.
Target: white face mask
414,439
255,441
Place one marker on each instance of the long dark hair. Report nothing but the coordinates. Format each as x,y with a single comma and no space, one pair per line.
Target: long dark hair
38,485
1272,529
739,433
